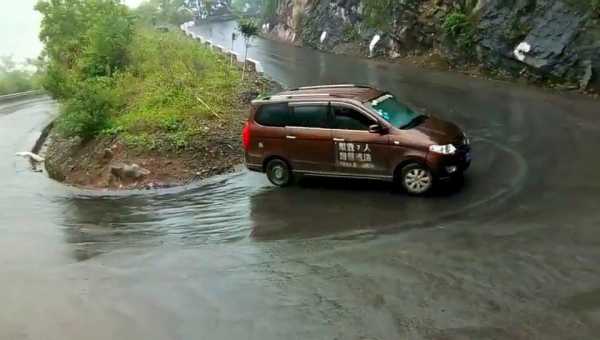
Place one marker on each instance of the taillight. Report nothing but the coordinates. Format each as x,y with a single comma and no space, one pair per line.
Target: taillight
246,136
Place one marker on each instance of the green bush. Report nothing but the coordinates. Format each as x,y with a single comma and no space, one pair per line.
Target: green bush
106,49
86,112
350,33
162,12
379,14
459,29
86,42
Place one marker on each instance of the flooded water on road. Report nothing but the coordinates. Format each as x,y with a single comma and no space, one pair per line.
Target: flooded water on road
511,253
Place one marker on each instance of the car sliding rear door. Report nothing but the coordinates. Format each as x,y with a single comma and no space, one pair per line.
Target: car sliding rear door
309,143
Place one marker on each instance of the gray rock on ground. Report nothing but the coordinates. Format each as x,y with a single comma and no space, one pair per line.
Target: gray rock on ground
128,171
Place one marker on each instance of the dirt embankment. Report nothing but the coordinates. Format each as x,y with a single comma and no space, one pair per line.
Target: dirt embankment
108,162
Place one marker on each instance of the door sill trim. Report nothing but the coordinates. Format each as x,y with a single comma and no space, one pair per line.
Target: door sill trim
342,175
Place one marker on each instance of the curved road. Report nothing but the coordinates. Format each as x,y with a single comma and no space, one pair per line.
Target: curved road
511,254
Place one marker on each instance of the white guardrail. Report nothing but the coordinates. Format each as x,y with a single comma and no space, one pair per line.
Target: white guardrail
19,95
250,63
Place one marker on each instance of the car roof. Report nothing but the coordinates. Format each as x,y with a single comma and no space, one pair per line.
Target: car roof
325,92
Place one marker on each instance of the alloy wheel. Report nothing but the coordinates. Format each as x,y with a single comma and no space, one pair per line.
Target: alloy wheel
417,180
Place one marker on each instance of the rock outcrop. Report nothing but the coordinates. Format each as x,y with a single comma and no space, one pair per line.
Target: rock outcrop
556,40
128,171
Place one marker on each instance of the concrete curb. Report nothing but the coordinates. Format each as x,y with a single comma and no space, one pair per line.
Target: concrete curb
39,143
251,64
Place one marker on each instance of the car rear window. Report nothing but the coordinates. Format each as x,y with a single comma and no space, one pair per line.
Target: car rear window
273,115
310,116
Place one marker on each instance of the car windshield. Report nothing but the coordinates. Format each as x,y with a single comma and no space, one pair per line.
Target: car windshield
397,114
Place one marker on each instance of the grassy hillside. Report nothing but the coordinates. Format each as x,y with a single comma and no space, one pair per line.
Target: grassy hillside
117,76
163,98
131,94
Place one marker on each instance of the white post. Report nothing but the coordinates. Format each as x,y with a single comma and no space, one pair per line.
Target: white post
245,59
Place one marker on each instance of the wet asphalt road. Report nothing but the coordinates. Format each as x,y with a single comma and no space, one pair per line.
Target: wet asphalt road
511,254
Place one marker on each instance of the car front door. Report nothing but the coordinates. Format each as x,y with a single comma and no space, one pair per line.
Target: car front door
309,143
358,151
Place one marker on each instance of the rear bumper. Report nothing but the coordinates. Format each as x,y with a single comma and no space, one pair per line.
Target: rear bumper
253,161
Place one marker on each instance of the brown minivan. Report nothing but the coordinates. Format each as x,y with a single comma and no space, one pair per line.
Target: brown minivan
351,131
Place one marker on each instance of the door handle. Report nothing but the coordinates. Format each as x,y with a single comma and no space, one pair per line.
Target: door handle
290,137
338,139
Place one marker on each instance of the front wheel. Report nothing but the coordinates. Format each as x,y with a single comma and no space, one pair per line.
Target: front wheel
279,173
416,179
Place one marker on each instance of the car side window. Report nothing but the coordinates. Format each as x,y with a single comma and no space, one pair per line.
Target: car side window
314,116
273,115
349,119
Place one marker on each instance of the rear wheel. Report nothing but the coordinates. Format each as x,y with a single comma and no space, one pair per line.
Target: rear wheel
416,179
279,173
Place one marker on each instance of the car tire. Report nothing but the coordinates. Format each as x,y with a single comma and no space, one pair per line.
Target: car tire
415,179
279,173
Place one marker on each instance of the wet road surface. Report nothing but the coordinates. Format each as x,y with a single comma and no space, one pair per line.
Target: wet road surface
511,254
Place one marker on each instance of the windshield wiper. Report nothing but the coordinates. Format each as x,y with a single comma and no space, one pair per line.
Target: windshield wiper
415,122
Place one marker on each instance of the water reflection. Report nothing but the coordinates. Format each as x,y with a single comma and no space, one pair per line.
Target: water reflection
233,209
324,206
211,213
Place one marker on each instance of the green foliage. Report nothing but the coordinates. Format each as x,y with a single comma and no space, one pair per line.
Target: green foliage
106,50
118,78
86,112
350,33
270,8
467,6
584,6
158,12
379,14
83,39
171,87
595,5
15,79
86,42
518,30
460,30
248,28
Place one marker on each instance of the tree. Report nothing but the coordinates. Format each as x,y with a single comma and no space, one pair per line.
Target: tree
86,44
249,29
270,9
174,12
83,39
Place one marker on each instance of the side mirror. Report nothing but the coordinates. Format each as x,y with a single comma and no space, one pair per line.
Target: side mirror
376,128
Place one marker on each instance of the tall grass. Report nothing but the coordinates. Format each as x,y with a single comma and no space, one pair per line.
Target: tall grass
172,85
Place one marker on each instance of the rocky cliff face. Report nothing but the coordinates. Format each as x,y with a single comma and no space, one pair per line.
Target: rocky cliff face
556,40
